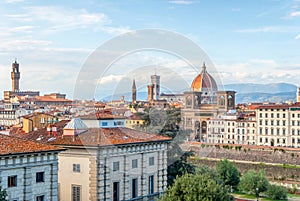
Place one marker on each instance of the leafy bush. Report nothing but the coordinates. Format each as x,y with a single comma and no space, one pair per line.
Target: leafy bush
196,187
277,192
228,173
253,182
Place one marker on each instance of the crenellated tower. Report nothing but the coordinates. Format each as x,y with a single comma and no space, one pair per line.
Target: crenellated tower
15,77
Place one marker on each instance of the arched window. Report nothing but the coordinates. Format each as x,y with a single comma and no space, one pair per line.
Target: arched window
204,127
230,101
222,100
197,101
188,101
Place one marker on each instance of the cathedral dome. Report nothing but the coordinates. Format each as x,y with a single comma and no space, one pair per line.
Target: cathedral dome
204,82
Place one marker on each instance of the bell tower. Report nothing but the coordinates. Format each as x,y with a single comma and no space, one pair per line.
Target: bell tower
133,92
298,94
15,76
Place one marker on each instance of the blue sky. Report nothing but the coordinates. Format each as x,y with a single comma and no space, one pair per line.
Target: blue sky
248,41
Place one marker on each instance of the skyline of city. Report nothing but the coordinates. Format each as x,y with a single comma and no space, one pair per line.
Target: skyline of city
52,48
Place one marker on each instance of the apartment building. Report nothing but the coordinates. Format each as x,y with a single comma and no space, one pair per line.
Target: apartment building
28,170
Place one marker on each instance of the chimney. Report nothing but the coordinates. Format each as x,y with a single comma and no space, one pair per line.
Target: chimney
54,131
49,129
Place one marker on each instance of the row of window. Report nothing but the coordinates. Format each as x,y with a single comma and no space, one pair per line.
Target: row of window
283,140
129,121
116,123
272,115
272,131
116,165
272,122
12,181
76,189
272,109
134,164
134,188
243,137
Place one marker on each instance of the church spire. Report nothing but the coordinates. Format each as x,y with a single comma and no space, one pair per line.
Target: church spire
133,91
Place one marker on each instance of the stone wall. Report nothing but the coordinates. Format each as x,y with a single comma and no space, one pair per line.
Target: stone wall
246,153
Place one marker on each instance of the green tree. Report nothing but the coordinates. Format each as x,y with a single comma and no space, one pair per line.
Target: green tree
253,182
3,194
277,192
228,173
191,187
204,169
166,123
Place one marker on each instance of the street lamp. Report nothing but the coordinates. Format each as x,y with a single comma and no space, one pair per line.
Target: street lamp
256,194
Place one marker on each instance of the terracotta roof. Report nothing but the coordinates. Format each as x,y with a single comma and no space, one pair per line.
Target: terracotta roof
108,136
101,115
50,99
273,107
34,135
93,136
34,114
135,117
14,145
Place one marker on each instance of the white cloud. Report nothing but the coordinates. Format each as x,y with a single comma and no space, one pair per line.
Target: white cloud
115,30
181,2
266,62
14,1
109,79
258,71
295,14
55,19
271,29
23,44
256,30
61,19
297,37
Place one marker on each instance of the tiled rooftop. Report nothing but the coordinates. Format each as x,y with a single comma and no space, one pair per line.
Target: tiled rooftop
100,116
14,145
109,136
93,136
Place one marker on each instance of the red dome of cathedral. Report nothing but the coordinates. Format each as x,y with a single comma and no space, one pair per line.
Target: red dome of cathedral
204,81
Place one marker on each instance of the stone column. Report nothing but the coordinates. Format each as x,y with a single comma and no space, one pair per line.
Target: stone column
126,181
28,184
160,171
93,178
54,181
165,170
101,194
143,176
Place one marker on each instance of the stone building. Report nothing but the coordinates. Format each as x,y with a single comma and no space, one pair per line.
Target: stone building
278,125
204,102
109,163
112,164
28,170
36,121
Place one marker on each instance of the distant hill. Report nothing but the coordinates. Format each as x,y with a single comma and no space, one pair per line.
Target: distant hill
261,88
247,92
265,97
274,92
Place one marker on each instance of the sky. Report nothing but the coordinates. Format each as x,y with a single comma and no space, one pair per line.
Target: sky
247,41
